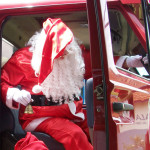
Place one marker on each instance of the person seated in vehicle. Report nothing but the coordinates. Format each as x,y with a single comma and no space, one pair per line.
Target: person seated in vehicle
49,74
124,62
130,61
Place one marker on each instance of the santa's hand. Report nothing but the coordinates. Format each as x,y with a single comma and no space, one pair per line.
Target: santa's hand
22,96
134,61
145,60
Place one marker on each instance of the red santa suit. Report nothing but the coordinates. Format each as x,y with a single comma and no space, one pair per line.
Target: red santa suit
65,122
30,142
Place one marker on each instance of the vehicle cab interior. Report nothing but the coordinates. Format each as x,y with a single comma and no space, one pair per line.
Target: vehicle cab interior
22,28
17,30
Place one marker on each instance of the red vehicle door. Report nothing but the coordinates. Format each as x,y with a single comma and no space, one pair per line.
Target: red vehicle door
121,97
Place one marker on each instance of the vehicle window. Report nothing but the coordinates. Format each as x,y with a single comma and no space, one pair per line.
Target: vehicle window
124,40
7,51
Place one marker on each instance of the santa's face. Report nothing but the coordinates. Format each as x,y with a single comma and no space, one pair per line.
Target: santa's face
64,54
66,78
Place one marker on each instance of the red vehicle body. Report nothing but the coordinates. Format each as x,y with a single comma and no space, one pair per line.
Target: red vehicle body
114,129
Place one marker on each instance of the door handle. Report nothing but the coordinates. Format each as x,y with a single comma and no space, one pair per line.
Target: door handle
118,106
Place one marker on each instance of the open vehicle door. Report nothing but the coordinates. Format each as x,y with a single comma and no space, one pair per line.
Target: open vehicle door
121,98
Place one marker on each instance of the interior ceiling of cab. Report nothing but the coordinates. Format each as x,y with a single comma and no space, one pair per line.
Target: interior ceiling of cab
18,30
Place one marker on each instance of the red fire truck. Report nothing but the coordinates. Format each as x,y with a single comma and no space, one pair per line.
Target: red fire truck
116,99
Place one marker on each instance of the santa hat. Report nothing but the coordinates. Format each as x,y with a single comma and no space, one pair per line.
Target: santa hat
58,36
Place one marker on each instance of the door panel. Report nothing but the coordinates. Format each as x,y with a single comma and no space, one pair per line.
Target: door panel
99,33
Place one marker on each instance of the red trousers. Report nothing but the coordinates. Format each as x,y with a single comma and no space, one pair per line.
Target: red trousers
65,132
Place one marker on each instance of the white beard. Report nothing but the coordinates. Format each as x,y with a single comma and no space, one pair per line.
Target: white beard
37,43
66,78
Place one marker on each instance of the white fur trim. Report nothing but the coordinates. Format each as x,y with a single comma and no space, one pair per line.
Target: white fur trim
37,42
37,89
34,123
121,60
9,97
72,108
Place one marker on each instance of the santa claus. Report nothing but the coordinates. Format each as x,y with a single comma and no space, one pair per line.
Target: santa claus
50,72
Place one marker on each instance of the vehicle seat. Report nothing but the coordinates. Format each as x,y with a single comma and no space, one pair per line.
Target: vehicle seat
89,102
11,131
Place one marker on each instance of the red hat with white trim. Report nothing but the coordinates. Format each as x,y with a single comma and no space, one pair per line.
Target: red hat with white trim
58,36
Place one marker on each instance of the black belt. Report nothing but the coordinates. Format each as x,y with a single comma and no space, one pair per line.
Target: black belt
41,100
